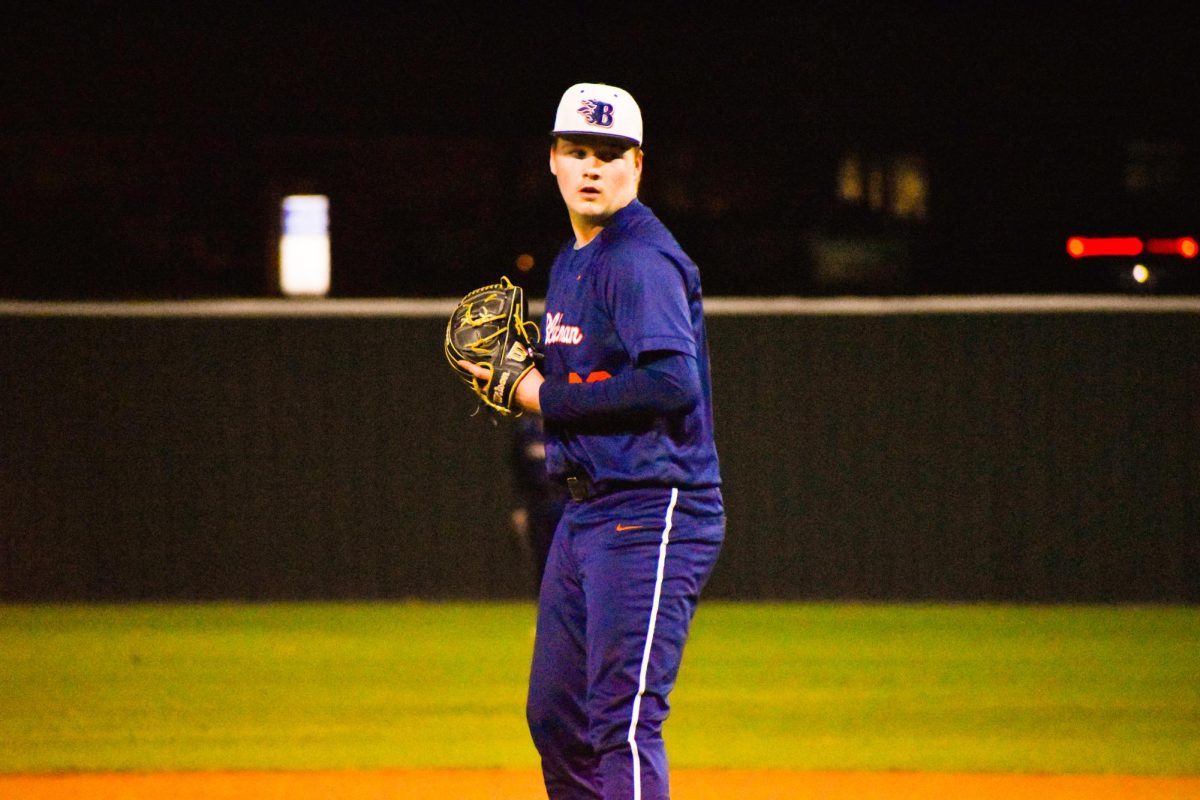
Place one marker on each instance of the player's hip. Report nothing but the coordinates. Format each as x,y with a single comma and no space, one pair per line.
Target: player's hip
648,506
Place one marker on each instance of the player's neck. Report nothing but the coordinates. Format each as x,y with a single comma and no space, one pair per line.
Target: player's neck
588,228
585,234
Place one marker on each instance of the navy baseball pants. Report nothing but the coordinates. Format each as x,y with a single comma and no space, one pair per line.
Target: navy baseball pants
621,585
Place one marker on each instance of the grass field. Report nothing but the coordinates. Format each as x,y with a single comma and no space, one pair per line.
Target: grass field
793,686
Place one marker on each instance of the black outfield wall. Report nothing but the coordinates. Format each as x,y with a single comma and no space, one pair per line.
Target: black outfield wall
1036,449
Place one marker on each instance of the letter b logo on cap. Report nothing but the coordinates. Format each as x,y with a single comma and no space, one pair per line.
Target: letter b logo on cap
598,109
597,113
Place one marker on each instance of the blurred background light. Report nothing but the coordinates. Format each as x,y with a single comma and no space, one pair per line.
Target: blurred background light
1184,246
1081,247
304,252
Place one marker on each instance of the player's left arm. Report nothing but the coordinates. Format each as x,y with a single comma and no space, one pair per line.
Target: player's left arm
646,295
525,396
528,392
662,384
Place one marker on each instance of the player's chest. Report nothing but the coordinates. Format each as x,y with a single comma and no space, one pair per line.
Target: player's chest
577,330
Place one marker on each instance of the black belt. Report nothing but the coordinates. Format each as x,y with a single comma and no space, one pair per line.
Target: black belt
580,488
585,488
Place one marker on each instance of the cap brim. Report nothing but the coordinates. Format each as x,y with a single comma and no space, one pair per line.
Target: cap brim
618,137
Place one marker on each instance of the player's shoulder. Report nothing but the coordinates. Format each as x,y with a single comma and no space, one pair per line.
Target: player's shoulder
639,239
636,262
638,224
630,251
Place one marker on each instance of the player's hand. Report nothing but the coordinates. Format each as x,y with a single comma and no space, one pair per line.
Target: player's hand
528,392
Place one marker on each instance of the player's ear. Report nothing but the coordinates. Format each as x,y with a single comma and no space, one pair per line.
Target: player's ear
553,162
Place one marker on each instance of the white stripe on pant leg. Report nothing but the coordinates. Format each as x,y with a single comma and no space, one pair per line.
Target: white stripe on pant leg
637,701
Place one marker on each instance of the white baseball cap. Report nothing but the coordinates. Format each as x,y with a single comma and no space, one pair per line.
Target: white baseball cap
600,110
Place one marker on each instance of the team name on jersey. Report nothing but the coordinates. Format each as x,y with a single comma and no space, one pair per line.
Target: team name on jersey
557,333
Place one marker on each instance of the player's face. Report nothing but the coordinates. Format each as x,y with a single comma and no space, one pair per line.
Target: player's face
597,176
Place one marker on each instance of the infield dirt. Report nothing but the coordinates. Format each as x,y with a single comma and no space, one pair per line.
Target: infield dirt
526,785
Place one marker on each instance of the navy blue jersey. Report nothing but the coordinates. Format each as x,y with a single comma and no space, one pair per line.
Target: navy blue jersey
631,290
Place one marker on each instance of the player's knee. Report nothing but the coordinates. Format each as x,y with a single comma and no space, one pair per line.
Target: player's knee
545,724
613,734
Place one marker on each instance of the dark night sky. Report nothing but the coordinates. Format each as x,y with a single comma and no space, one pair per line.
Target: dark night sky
946,79
430,68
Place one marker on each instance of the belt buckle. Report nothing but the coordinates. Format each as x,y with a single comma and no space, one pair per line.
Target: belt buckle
579,488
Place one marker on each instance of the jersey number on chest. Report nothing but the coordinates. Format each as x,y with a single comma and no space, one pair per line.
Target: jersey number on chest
599,375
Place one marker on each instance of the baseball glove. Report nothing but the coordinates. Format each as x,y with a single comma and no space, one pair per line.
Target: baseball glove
489,328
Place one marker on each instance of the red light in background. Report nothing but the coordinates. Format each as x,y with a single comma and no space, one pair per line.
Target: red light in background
1184,246
1080,247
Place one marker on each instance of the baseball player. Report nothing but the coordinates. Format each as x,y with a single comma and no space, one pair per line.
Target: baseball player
626,400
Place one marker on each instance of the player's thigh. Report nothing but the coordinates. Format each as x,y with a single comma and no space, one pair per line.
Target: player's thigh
558,676
642,590
625,573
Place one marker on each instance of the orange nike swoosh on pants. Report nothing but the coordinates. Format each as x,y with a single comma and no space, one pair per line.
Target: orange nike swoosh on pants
621,527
